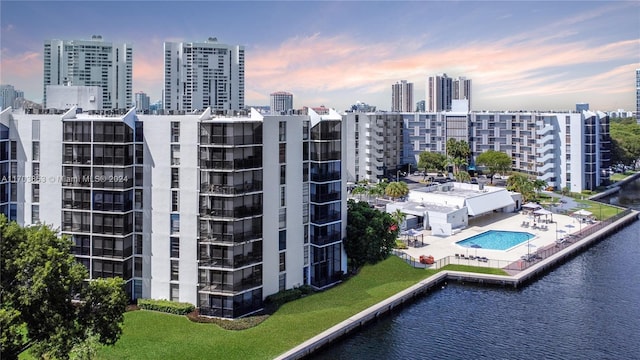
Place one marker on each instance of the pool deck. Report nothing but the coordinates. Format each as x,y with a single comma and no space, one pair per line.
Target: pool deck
441,247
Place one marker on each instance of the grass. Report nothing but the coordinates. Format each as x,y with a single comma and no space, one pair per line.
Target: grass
615,177
600,210
475,269
152,335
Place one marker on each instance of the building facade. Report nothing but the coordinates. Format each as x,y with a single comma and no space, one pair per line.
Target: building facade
91,63
544,145
442,90
201,75
216,211
143,103
375,143
402,96
281,102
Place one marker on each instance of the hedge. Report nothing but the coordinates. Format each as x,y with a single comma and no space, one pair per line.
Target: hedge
171,307
282,297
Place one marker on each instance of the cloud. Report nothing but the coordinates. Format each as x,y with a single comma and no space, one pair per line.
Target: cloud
520,64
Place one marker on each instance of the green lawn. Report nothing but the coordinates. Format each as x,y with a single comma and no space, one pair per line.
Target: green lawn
475,269
151,335
600,210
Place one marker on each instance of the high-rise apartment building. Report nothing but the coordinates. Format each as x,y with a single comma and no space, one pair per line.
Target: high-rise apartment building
143,102
461,89
216,211
565,149
402,96
375,145
281,102
442,90
8,95
91,63
201,75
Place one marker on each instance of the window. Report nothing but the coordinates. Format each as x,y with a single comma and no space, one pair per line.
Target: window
35,193
175,178
283,196
174,247
175,200
175,131
138,245
282,131
283,260
175,292
35,151
35,169
35,214
282,218
283,174
175,270
282,240
175,224
282,282
175,154
283,153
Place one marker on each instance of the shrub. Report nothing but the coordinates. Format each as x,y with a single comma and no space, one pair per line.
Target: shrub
278,299
171,307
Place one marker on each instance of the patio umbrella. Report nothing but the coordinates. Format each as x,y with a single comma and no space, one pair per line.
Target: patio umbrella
569,226
583,212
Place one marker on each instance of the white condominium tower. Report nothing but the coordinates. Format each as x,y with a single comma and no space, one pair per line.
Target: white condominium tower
402,96
281,102
216,211
91,63
442,90
201,75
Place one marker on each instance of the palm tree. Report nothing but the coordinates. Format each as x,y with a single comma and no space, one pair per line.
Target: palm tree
398,216
397,189
463,176
539,185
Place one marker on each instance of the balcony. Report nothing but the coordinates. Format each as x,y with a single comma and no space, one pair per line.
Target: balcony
325,218
207,188
328,176
238,212
237,261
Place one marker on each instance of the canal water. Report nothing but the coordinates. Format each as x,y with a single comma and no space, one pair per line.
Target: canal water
587,308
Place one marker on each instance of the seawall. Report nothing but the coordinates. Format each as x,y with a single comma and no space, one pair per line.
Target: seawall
616,187
370,314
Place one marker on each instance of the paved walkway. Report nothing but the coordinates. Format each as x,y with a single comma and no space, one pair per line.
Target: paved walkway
440,247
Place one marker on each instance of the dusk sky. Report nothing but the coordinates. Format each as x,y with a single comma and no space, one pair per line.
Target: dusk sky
520,55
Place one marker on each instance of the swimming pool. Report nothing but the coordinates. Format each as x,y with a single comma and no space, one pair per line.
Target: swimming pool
496,240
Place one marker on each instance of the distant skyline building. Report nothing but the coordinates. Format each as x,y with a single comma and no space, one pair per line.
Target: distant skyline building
91,63
201,75
362,107
421,106
281,102
402,96
8,96
438,92
143,102
442,90
462,89
580,107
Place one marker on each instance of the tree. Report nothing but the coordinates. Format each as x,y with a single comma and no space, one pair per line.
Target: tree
521,183
398,216
458,152
397,189
539,185
495,161
46,304
431,161
463,176
371,234
378,189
